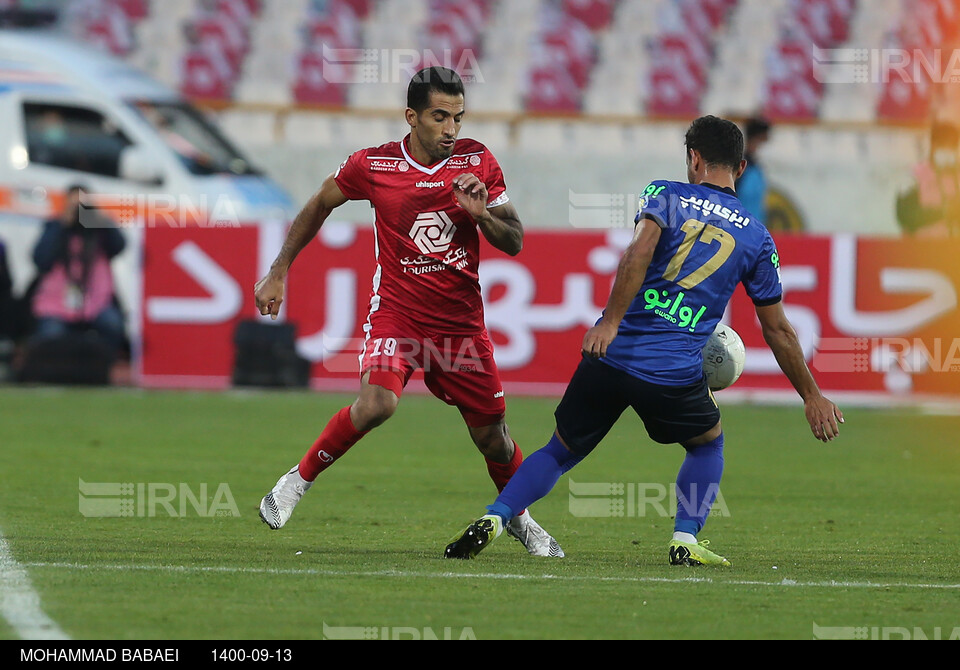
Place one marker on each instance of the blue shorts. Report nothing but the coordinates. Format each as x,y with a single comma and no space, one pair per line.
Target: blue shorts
599,393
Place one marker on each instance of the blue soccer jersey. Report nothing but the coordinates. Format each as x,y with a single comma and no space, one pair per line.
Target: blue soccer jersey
709,244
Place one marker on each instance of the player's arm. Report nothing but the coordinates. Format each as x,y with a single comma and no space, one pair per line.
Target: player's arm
822,414
630,275
500,225
269,290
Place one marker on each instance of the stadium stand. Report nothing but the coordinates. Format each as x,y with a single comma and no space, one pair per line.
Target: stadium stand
659,58
269,66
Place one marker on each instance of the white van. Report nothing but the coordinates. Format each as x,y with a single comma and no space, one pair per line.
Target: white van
72,115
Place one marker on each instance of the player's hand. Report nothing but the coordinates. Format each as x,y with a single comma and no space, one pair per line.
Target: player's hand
268,294
471,193
824,418
598,338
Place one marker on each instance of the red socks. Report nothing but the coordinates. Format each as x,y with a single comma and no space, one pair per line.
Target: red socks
340,434
334,441
501,473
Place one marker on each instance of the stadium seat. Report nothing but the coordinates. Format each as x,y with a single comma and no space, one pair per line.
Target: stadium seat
903,100
552,89
136,10
673,92
595,14
320,82
206,73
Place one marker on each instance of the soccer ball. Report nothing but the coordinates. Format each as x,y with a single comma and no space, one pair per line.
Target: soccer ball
723,358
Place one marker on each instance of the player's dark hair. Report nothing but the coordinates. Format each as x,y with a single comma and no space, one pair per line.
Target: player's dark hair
428,80
718,141
756,127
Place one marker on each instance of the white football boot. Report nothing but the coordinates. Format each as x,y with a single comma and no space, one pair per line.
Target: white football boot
277,506
531,535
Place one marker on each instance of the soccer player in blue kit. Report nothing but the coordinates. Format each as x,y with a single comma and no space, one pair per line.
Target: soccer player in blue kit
692,245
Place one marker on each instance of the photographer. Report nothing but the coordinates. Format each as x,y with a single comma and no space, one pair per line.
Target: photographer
75,290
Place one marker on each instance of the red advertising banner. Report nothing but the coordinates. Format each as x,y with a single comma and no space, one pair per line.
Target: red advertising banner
876,316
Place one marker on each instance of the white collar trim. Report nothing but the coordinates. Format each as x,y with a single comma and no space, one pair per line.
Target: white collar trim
431,171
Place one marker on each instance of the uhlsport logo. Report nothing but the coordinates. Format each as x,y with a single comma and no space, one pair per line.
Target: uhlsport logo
433,232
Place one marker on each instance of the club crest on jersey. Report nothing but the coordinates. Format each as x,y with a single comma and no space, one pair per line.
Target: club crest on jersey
433,232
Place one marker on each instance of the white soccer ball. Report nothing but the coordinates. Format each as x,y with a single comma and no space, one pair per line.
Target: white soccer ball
723,358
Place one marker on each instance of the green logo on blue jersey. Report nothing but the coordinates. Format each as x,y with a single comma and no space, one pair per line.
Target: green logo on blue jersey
672,308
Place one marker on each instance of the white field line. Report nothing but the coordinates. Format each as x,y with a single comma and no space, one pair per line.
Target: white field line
406,574
20,604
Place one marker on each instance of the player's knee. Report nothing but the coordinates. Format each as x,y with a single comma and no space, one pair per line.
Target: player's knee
371,411
494,443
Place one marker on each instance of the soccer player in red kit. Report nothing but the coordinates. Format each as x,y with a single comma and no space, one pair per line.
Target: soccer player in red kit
431,192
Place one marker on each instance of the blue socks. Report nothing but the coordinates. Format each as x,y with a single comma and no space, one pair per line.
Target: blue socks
698,482
535,478
697,485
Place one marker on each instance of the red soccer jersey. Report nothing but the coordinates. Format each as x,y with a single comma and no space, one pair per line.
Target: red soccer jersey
427,246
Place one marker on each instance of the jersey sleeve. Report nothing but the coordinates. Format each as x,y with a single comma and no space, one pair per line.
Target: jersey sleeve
493,180
353,178
763,281
654,203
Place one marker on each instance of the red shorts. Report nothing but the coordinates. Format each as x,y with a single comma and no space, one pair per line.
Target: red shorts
458,369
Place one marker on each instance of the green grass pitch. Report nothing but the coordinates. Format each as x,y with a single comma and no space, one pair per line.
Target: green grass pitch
859,532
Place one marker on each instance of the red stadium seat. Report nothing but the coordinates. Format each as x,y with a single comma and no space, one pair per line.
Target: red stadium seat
595,14
326,31
337,27
904,100
673,92
794,59
826,22
553,90
226,34
716,10
680,51
474,12
109,29
206,74
319,81
568,47
238,11
361,8
451,33
136,10
792,100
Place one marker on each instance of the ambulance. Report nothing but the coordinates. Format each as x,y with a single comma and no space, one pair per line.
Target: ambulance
70,114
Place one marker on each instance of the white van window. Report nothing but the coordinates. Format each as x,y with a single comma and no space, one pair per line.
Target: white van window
74,138
199,145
